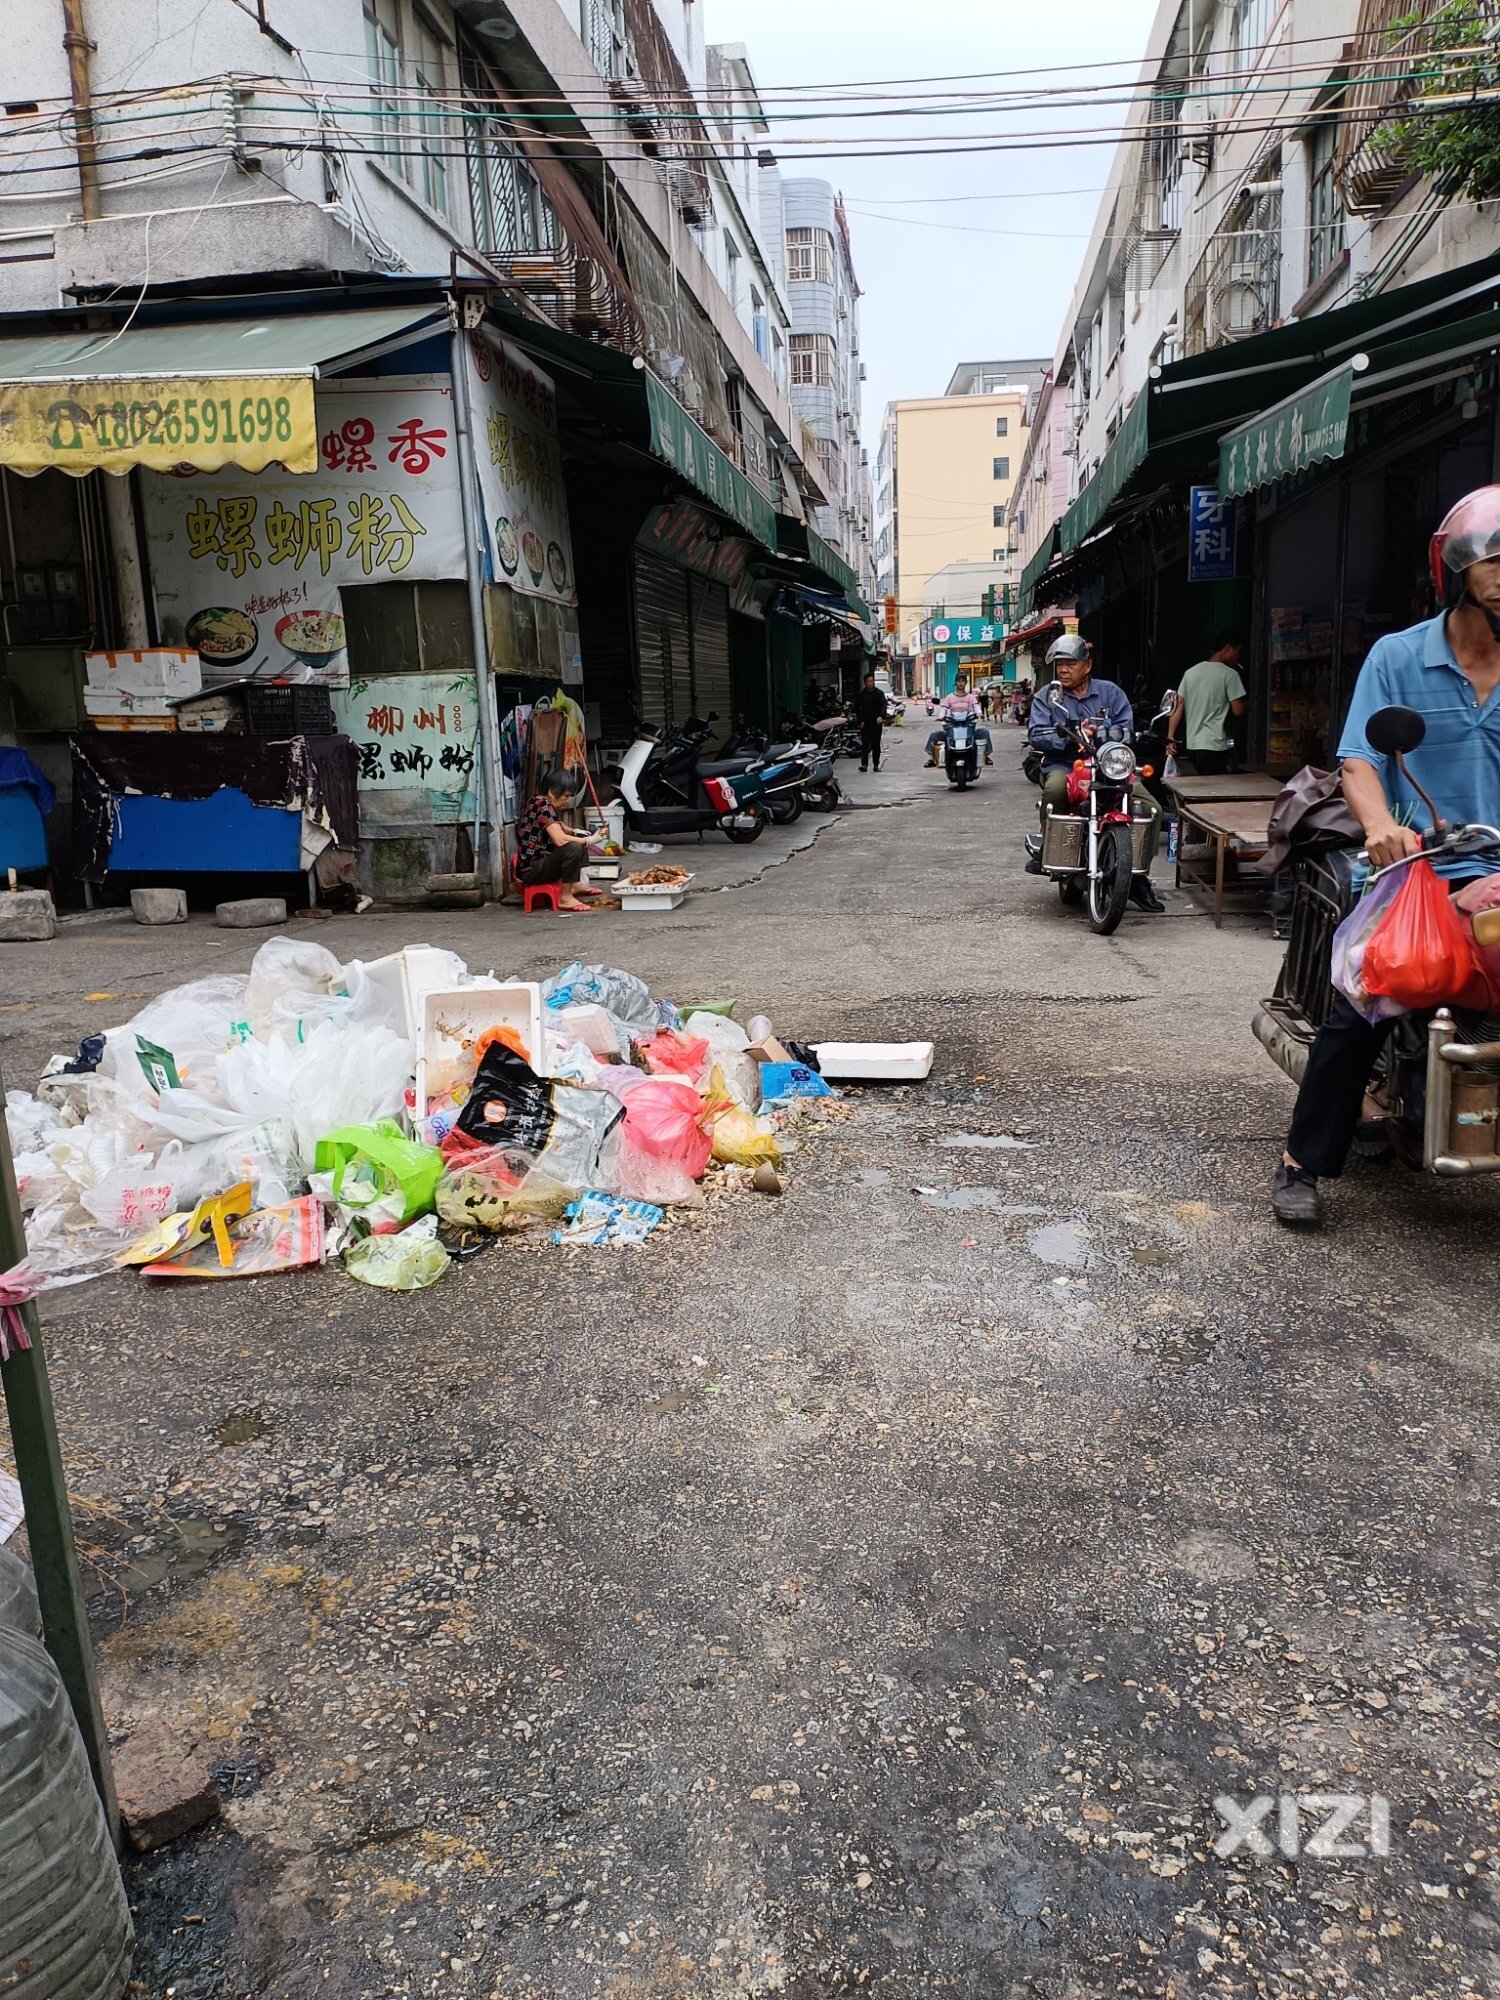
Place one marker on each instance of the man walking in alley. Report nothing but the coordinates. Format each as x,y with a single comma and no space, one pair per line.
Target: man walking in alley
871,709
1211,692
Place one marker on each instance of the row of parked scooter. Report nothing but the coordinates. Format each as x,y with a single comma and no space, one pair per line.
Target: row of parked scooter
668,785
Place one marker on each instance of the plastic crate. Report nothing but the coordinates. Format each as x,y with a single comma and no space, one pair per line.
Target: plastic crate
288,711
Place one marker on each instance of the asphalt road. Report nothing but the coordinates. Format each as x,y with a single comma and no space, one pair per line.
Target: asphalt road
871,1590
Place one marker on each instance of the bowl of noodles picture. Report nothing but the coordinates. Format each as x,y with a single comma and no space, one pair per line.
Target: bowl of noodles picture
221,635
535,554
507,545
314,637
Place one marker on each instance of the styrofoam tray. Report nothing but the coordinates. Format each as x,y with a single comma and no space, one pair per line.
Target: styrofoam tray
874,1062
650,899
454,1020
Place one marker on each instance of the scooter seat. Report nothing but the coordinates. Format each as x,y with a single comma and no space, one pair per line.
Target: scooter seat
728,767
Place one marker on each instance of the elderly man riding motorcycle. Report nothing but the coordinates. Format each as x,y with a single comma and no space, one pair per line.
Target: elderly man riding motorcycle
1448,669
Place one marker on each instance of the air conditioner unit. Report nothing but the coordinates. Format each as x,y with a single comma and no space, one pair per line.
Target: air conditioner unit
1237,302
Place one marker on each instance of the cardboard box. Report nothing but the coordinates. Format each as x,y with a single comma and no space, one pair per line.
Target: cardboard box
158,670
770,1050
210,714
136,722
120,702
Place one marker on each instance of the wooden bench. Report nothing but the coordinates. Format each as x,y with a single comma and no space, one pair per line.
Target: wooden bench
1237,828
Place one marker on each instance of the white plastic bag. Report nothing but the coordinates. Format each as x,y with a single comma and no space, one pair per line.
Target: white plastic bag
293,987
195,1024
340,1075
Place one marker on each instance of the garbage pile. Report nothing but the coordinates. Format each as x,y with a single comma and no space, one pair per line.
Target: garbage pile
397,1114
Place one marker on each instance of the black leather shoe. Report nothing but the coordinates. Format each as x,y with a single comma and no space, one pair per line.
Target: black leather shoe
1295,1199
1034,864
1144,896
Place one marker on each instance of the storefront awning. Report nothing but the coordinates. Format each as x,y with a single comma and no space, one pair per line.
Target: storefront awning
689,450
208,393
1122,458
1310,425
1024,634
796,539
1034,571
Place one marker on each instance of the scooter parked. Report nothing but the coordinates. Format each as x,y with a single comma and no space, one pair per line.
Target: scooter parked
664,791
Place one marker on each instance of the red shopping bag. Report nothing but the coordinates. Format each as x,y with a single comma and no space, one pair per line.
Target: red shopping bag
1422,954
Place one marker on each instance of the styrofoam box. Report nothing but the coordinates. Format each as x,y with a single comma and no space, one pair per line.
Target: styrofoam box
650,899
453,1021
874,1062
154,670
120,701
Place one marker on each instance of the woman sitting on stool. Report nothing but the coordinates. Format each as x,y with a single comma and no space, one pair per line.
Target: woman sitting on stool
546,849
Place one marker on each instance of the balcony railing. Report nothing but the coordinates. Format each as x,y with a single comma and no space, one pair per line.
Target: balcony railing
1370,163
1234,289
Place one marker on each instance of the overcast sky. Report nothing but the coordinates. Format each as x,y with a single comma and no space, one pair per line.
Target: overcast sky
948,280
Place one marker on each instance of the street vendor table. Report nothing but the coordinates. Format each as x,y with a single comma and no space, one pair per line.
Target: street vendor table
177,804
1237,828
1194,791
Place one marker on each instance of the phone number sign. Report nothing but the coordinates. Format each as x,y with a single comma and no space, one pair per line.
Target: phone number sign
203,421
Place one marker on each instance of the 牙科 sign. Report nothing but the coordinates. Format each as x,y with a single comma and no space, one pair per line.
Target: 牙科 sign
202,421
247,569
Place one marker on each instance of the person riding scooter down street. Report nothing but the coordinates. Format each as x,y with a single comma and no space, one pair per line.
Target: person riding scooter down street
1094,704
963,707
1448,669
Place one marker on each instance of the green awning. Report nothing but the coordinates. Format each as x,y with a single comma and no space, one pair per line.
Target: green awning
1037,568
1310,425
263,344
1122,458
690,451
795,538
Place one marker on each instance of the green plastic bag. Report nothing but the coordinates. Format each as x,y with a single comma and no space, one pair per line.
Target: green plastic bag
408,1262
399,1163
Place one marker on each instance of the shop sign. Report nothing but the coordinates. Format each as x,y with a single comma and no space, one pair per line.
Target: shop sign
518,450
247,569
689,449
206,421
414,732
1211,549
966,632
684,534
1293,434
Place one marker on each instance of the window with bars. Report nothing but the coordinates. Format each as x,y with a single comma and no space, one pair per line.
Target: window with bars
809,257
829,461
1325,202
429,74
512,216
607,42
814,360
1002,427
383,61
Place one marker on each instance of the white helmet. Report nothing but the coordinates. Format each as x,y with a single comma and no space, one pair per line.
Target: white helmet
1069,647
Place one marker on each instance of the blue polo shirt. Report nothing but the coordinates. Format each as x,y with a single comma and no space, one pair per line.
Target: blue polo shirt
1458,764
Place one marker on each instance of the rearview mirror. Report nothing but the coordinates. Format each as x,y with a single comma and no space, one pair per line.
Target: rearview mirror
1393,731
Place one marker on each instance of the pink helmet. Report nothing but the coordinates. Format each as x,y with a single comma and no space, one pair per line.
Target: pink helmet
1470,531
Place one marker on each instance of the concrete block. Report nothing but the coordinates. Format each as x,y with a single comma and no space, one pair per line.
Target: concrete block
165,1786
159,906
252,913
26,916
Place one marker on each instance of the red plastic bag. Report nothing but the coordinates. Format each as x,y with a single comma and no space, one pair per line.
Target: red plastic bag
1422,955
671,1054
671,1122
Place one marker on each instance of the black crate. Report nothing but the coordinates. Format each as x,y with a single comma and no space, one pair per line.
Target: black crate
288,711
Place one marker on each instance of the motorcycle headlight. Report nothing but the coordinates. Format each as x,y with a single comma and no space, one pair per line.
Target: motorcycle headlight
1116,762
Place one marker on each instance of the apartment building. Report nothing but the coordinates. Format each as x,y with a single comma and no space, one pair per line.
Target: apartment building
945,481
1267,234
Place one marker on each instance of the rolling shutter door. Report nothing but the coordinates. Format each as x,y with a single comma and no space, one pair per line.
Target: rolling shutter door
712,688
663,640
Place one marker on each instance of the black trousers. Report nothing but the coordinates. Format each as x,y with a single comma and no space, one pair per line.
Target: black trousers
869,744
1210,763
1333,1091
558,864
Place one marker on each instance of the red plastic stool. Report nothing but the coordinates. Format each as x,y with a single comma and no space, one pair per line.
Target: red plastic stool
533,893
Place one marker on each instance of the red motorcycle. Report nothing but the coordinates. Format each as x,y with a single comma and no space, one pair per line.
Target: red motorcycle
1093,850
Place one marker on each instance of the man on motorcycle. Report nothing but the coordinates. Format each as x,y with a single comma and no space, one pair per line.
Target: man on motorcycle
1092,704
964,707
1448,669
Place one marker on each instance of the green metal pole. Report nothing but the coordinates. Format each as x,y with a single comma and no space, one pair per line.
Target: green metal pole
44,1494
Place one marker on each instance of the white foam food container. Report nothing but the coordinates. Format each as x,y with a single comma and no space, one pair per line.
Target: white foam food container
454,1021
874,1062
650,899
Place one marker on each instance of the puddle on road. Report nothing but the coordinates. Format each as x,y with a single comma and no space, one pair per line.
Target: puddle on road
240,1427
968,1198
978,1142
1191,1347
675,1401
1151,1255
873,1177
1064,1243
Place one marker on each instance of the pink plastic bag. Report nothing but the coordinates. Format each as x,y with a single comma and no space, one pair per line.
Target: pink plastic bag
671,1122
671,1054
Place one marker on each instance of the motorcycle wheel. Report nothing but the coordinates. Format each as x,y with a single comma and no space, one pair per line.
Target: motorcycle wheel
1109,891
1070,889
821,798
743,835
786,811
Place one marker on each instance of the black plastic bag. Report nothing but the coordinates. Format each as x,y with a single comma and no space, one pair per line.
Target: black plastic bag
510,1105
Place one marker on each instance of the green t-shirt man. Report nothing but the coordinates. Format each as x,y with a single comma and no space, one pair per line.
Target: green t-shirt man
1209,693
